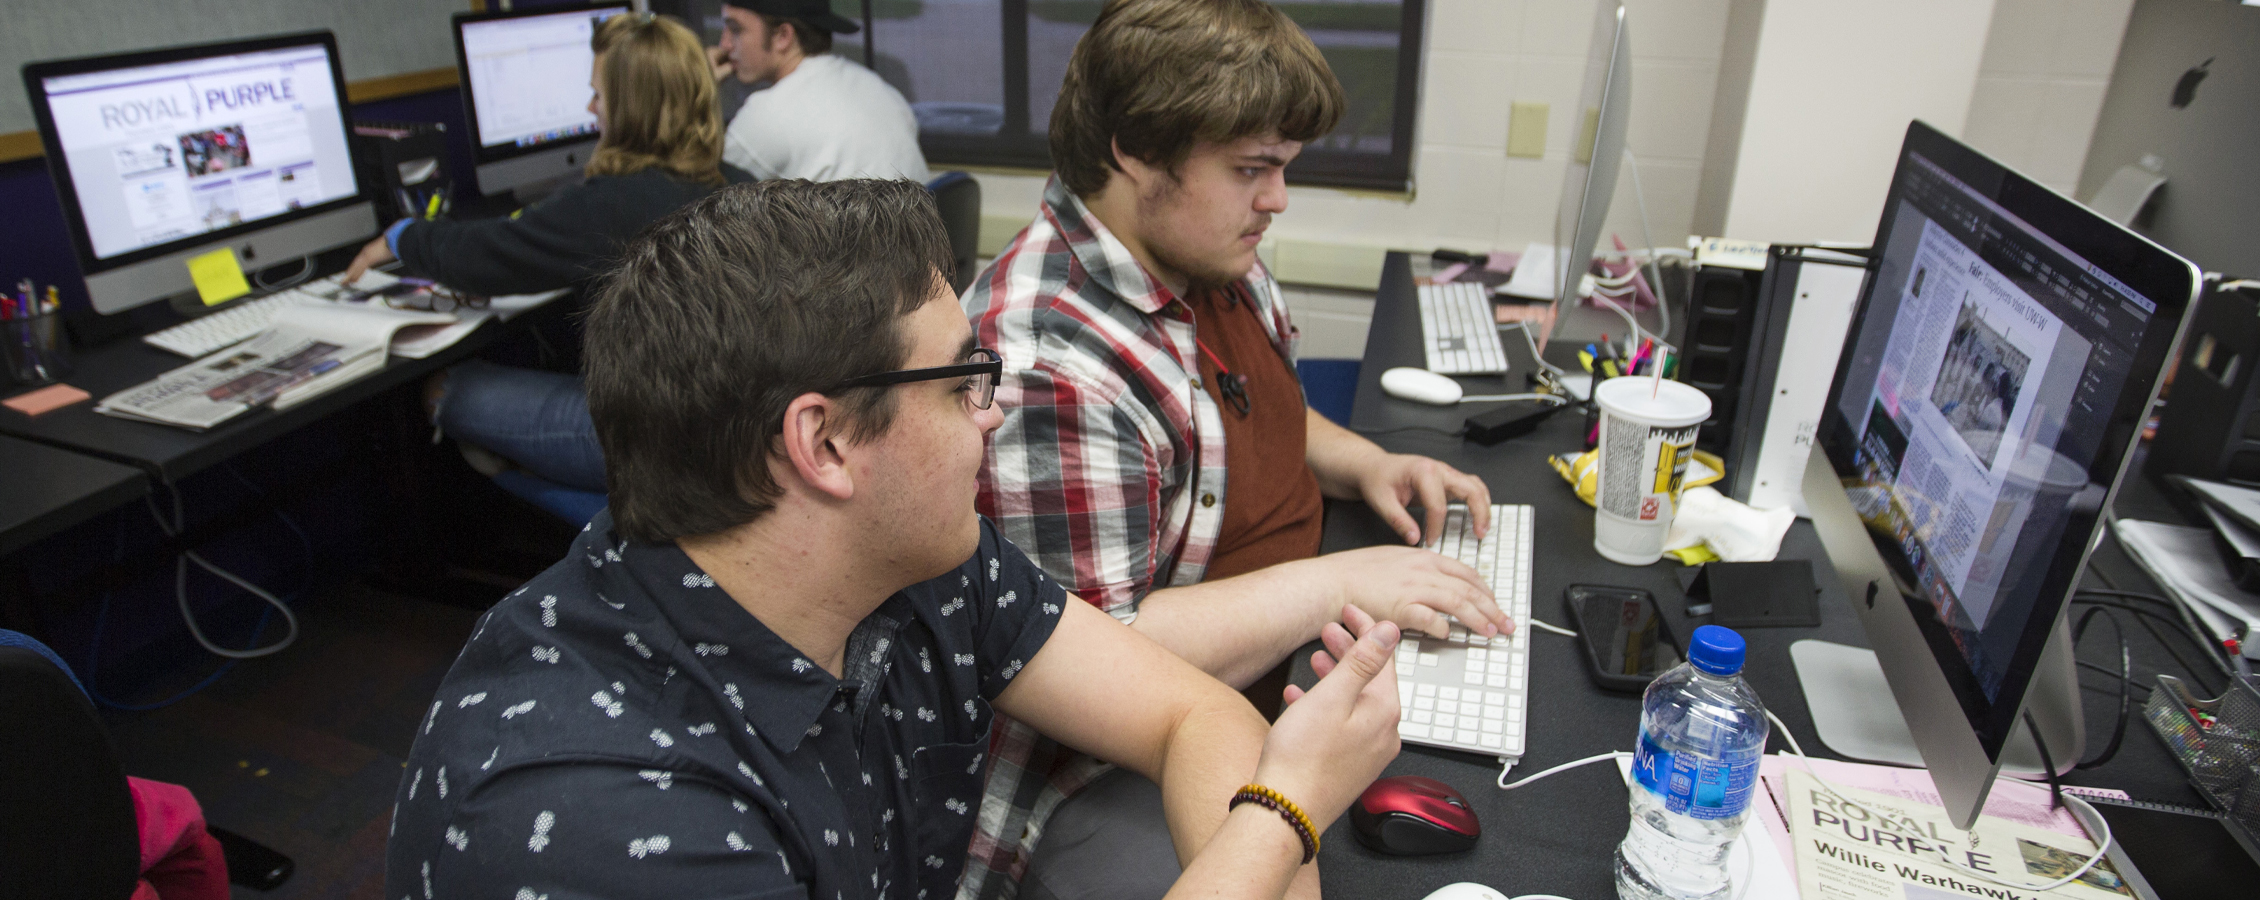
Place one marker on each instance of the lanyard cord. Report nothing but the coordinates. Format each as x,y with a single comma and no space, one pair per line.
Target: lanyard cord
1233,387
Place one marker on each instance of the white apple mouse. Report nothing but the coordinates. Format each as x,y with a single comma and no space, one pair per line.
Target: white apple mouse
1420,386
1465,890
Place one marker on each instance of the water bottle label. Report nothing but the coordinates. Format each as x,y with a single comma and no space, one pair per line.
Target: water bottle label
1696,788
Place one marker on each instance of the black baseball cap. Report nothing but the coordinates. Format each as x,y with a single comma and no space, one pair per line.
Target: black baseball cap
817,13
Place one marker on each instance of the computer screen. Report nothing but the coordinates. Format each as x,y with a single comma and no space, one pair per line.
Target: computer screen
1995,376
162,152
527,76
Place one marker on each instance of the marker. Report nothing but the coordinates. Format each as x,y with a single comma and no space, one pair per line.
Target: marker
54,299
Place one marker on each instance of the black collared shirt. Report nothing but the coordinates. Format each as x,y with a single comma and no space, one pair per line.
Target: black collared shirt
619,727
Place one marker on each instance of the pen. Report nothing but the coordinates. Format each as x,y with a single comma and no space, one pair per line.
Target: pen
1585,357
54,299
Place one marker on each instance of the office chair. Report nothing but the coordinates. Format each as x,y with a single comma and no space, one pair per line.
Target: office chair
70,829
959,198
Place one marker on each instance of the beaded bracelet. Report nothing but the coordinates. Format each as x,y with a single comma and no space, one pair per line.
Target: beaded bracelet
1278,803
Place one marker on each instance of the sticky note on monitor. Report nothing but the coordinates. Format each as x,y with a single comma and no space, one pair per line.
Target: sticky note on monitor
218,276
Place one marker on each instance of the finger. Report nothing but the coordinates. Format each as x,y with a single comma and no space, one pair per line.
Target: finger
1291,694
1477,495
1336,639
1321,662
1356,619
1420,618
1435,502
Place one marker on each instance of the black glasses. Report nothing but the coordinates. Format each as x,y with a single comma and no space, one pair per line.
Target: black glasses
980,375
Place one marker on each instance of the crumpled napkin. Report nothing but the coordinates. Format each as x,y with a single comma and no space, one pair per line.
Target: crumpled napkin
1712,526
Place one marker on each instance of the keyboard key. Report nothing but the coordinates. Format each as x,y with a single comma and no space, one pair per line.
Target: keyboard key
1494,698
1450,693
1423,703
1423,716
1426,690
1470,737
1429,659
1411,730
1497,681
1448,706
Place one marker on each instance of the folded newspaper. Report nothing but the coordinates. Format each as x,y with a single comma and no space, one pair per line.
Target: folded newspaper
311,349
1844,852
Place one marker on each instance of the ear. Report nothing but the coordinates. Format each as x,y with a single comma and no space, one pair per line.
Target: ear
786,35
1135,170
814,440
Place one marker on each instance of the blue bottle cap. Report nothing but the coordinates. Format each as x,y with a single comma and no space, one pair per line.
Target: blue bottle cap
1717,650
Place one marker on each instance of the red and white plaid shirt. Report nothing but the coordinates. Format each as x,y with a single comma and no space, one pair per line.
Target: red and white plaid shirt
1108,470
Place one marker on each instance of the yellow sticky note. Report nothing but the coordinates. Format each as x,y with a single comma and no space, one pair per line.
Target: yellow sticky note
218,277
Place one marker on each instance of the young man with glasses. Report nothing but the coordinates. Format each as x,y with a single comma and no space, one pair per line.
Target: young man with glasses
1156,454
771,668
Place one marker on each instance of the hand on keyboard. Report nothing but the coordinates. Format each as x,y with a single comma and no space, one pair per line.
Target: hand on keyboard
1398,479
1411,586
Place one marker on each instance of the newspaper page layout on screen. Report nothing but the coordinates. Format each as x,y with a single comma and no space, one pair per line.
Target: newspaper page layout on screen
162,152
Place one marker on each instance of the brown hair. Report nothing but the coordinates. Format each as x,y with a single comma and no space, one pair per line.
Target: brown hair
812,40
659,103
1157,76
723,312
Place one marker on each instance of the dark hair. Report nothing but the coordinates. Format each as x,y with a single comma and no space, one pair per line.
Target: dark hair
1157,76
812,40
722,313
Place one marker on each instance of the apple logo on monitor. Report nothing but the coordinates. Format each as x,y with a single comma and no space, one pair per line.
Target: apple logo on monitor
2185,90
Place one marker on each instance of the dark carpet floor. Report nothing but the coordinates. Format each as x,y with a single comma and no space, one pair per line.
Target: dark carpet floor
302,751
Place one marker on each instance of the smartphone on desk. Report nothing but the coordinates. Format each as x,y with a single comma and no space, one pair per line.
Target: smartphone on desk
1627,642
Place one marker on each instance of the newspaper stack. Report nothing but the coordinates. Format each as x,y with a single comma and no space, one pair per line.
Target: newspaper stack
1846,853
311,350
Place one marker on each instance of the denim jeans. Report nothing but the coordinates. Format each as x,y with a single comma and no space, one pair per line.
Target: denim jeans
539,420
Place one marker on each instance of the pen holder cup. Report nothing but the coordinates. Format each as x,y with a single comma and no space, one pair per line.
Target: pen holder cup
34,350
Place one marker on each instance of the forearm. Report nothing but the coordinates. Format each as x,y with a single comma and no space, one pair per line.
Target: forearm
1253,855
1237,629
1337,456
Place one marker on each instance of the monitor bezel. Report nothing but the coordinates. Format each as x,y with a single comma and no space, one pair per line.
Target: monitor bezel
66,189
2144,267
480,151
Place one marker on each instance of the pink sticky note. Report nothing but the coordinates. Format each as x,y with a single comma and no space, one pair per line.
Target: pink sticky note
45,400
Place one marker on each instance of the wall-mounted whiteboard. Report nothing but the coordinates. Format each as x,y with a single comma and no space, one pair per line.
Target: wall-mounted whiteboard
376,37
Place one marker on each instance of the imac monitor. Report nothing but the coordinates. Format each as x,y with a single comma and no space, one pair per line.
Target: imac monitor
2181,103
1591,180
525,78
162,155
2007,345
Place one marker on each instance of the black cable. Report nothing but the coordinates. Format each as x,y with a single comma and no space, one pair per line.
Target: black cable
2126,681
2143,618
1462,432
2047,764
2098,667
2130,595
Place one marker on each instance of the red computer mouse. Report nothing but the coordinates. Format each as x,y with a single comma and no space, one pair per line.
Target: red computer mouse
1413,816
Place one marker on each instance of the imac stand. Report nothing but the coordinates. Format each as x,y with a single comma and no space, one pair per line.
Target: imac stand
1857,716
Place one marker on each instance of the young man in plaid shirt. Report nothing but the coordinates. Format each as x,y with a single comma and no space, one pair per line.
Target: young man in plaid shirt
1157,457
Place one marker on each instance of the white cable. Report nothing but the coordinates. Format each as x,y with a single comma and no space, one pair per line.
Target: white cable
2091,821
1532,341
1504,786
180,587
1557,629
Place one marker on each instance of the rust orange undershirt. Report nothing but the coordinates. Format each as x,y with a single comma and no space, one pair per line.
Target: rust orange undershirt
1273,512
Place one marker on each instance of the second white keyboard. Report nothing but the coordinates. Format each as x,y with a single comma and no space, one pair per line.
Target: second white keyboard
1465,691
1459,330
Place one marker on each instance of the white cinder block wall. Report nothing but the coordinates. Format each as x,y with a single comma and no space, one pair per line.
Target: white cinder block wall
2034,105
2040,87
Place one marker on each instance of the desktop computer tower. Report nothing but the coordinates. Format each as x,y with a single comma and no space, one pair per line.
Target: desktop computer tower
2210,427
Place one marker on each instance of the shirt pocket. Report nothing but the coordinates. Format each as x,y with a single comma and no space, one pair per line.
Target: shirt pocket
946,787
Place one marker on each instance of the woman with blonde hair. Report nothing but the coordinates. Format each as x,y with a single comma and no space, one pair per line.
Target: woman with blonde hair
659,148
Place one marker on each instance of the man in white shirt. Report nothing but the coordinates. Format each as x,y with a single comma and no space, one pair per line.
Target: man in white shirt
822,118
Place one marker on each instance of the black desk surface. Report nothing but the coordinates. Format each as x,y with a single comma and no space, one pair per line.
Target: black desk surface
1556,836
170,454
44,490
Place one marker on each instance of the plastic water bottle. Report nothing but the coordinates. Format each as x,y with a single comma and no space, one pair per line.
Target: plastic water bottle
1702,731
